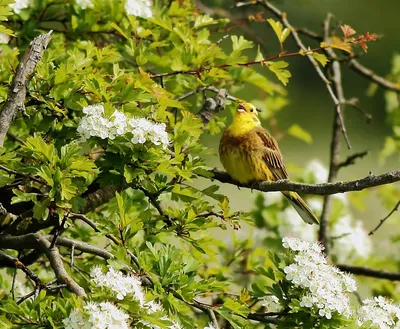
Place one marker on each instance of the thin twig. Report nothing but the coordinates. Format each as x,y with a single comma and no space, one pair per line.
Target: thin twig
356,66
355,102
396,207
352,158
282,16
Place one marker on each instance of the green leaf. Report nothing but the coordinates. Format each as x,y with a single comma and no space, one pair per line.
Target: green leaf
68,190
298,132
239,44
41,210
41,150
279,69
321,58
22,196
281,33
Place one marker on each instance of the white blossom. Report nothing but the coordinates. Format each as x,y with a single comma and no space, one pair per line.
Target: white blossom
85,3
77,320
106,316
19,5
315,172
138,130
141,8
324,287
351,240
291,224
122,285
382,313
153,307
4,38
271,303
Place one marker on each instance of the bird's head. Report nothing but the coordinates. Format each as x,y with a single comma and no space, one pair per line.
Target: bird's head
247,112
246,118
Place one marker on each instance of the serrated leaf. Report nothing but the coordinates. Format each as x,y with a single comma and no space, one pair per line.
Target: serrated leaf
298,132
41,210
22,196
281,33
239,44
321,58
279,69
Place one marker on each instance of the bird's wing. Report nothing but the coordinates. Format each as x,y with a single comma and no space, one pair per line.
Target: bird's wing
271,154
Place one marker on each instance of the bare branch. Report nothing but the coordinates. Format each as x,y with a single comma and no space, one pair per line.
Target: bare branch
356,66
296,37
335,141
58,267
355,102
17,92
365,271
320,189
37,241
352,158
99,197
396,207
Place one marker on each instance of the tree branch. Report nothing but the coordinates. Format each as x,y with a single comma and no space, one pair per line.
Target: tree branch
296,37
352,158
320,189
37,241
17,92
334,161
356,66
396,207
365,271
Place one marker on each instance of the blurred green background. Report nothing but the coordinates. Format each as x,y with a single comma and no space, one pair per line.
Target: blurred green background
310,105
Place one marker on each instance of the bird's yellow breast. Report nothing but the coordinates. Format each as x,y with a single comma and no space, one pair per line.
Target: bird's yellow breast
241,158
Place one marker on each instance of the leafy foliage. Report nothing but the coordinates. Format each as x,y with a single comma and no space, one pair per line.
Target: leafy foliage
139,204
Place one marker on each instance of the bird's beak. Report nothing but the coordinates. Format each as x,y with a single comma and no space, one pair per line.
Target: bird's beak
241,108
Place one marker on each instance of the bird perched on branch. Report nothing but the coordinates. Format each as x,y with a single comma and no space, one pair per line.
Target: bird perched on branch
248,153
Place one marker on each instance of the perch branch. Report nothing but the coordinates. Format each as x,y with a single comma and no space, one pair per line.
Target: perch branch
320,189
17,92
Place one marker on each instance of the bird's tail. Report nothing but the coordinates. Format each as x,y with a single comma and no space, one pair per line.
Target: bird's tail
301,207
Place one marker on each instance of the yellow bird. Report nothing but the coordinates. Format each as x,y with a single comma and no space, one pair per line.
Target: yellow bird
248,153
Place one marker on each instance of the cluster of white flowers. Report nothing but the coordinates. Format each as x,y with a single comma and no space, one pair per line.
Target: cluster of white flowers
100,316
128,286
351,241
381,312
315,172
85,3
119,283
94,123
141,8
18,5
325,288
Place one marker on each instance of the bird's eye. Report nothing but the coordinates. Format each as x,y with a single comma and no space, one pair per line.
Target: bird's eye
251,110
